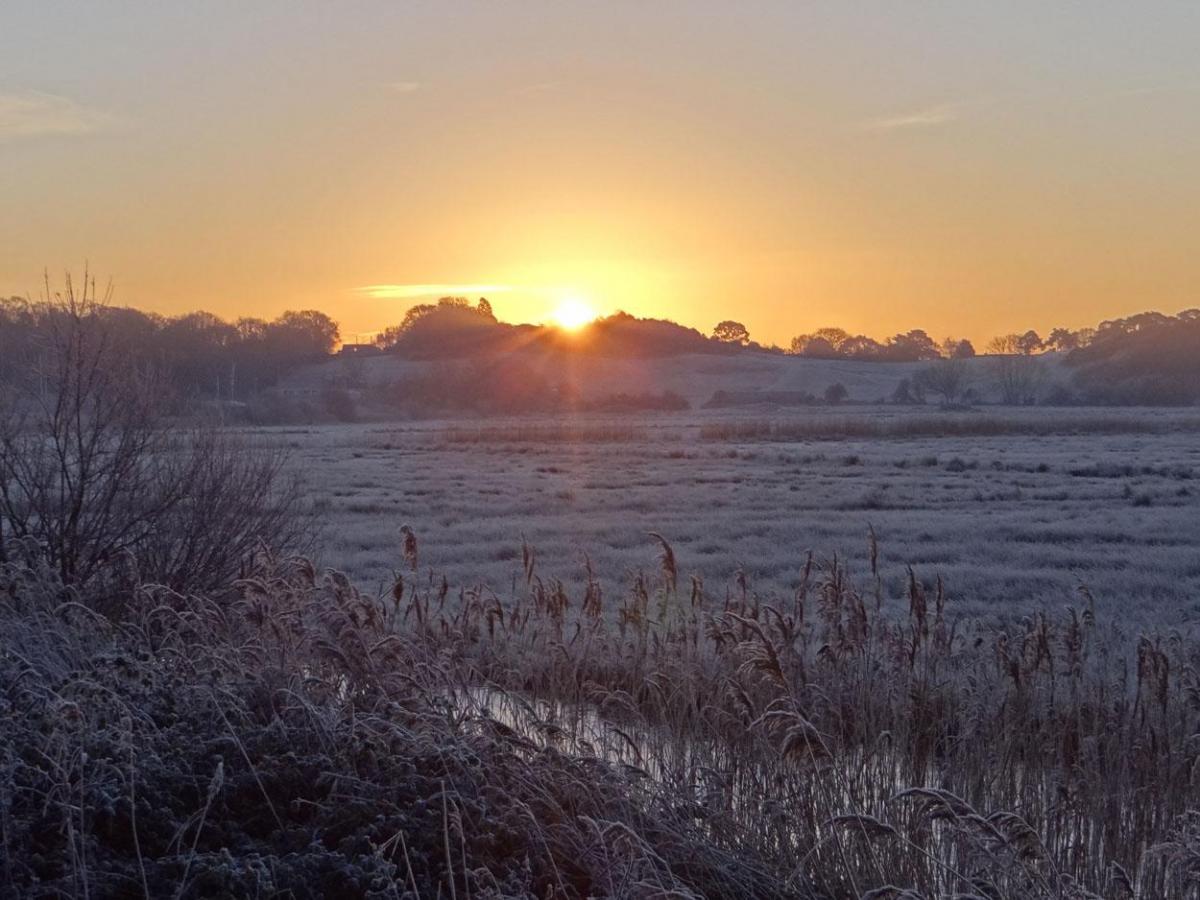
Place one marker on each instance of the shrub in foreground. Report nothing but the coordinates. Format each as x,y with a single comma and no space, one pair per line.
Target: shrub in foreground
297,743
97,477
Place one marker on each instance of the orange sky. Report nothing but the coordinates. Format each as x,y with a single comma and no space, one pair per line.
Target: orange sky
968,168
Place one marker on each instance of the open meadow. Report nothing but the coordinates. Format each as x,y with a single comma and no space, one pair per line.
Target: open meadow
1015,510
584,451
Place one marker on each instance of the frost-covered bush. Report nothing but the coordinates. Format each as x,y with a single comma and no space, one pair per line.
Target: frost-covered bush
301,742
307,739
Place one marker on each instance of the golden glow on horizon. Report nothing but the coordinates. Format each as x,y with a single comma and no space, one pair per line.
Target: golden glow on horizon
614,157
573,312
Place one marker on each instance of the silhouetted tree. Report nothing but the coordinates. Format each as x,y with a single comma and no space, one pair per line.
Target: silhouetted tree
251,330
835,336
1062,339
911,346
307,335
438,321
860,347
1029,343
814,347
1146,321
953,348
198,349
731,332
1004,344
18,325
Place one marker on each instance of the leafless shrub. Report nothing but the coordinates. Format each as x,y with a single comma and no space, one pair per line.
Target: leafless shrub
93,476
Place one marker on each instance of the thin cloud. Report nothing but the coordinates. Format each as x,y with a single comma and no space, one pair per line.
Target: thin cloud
930,117
414,291
33,114
403,87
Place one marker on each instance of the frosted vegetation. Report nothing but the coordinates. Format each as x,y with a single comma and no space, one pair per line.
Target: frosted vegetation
892,653
1014,519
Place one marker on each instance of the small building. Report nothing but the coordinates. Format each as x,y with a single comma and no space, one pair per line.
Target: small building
359,350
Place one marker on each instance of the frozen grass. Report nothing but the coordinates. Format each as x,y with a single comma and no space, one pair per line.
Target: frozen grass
1014,523
541,434
949,424
297,737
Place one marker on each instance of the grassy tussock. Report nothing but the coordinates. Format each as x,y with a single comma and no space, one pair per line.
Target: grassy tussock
295,735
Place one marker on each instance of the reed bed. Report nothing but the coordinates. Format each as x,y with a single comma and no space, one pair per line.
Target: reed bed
294,735
945,424
859,747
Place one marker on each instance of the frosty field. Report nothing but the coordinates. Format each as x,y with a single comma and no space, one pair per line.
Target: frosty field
1012,522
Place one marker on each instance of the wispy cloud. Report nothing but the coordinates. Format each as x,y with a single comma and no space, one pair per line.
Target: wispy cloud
922,118
403,87
414,291
33,114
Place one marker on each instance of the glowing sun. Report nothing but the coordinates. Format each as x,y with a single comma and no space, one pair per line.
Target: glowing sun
572,313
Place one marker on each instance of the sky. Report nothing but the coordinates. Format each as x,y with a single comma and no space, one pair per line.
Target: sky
964,167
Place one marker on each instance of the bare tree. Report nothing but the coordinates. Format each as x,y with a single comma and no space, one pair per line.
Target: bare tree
1026,344
1019,377
92,473
1019,374
948,378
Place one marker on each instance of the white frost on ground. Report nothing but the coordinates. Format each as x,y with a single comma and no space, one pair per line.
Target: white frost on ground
1012,523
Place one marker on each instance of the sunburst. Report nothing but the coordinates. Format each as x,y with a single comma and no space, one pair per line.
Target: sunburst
573,313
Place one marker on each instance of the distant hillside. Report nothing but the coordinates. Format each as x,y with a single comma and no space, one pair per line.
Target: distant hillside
452,329
544,377
456,359
1149,358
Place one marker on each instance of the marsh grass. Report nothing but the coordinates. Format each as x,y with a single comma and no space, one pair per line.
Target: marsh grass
294,735
856,746
943,425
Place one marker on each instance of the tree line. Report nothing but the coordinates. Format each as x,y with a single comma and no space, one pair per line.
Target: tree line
198,354
1149,357
915,345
